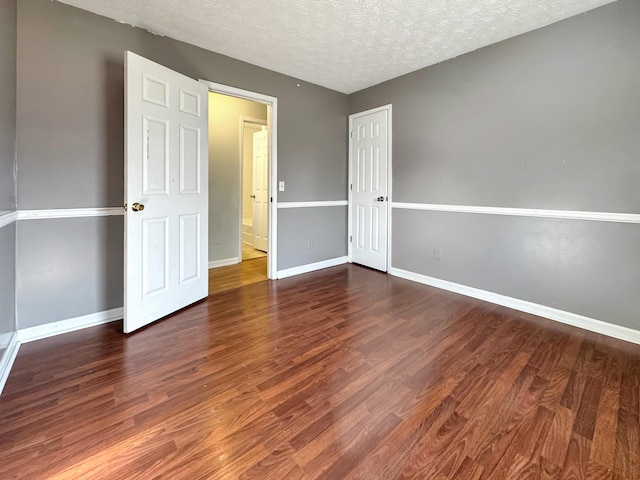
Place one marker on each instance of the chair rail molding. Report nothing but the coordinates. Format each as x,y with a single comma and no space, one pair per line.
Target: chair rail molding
70,213
523,212
320,203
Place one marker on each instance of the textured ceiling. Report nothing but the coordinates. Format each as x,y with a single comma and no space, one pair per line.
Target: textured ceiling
345,45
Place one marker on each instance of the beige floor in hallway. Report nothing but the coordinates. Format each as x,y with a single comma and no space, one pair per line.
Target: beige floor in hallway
248,252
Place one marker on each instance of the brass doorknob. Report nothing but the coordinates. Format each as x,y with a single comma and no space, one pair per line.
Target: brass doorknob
137,207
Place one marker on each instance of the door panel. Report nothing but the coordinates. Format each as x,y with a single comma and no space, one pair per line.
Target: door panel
189,247
369,196
189,160
166,191
155,160
155,243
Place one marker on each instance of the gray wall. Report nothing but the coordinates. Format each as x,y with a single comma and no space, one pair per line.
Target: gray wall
68,267
7,104
70,133
312,225
549,119
547,261
7,166
7,283
224,171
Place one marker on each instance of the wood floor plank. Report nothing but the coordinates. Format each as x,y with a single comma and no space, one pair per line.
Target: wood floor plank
344,373
627,461
576,461
556,442
587,412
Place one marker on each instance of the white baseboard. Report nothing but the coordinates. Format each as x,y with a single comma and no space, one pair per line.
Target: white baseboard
224,262
69,325
247,238
6,362
573,319
311,267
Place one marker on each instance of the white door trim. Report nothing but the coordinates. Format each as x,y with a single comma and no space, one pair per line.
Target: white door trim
244,120
272,123
352,117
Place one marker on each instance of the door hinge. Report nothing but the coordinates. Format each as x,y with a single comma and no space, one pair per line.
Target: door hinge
351,187
351,133
350,238
271,199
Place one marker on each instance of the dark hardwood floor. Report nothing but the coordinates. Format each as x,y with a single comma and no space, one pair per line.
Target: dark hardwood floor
344,373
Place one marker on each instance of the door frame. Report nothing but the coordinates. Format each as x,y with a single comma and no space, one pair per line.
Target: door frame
272,126
388,108
245,120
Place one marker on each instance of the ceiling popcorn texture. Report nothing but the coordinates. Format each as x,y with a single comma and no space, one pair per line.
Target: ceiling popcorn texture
344,45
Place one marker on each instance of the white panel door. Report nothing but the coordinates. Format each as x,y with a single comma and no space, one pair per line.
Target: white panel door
166,192
369,201
261,190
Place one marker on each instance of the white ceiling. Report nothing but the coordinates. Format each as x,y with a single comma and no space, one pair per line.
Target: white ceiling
345,45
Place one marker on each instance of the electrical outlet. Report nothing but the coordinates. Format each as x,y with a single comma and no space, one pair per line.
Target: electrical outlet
309,243
437,254
281,186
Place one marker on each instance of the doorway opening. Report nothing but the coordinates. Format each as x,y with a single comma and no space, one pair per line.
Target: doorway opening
242,166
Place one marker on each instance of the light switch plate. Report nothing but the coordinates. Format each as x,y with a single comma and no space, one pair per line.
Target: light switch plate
281,186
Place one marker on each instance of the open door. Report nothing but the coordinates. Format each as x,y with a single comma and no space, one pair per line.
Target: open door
261,190
166,191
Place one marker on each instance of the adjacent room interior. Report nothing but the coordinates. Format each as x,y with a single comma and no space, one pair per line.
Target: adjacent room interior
238,209
421,249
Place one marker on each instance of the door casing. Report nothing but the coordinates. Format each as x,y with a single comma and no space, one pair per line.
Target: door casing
352,117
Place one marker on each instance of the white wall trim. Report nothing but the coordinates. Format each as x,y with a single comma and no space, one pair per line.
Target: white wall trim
69,325
573,319
311,267
524,212
272,124
8,218
7,360
321,203
224,262
238,92
70,213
